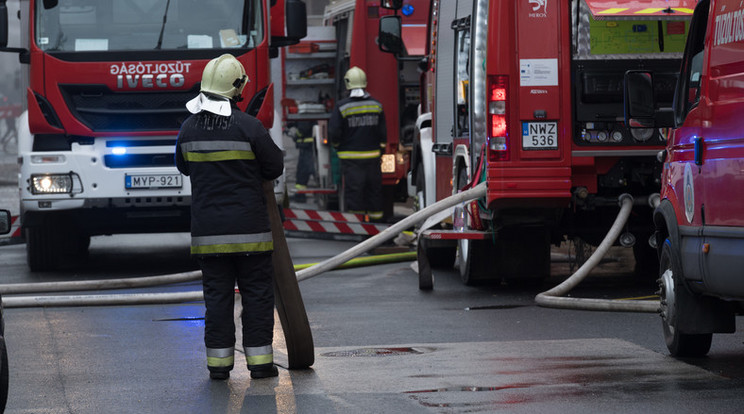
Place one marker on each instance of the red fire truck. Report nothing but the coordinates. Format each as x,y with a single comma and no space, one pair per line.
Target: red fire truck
700,220
391,80
527,95
107,85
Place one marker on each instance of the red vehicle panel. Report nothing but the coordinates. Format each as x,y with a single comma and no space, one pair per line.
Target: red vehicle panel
700,220
527,96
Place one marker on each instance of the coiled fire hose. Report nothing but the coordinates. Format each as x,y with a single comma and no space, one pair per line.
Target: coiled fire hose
554,298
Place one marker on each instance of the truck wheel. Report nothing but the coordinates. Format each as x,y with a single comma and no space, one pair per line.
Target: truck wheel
646,258
43,248
474,260
674,294
472,255
420,201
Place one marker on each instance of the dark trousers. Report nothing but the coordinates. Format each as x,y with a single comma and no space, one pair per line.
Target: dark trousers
362,185
305,164
255,277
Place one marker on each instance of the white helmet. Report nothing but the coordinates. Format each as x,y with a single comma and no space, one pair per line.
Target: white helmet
355,78
224,76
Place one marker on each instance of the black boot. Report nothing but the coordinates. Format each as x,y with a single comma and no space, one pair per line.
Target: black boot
263,371
219,375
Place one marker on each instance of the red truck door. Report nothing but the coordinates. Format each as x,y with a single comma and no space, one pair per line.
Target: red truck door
719,150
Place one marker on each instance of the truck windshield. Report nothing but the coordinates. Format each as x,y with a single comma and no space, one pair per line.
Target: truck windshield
124,25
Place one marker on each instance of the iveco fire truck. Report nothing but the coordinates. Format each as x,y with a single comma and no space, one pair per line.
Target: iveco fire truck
527,95
107,85
394,82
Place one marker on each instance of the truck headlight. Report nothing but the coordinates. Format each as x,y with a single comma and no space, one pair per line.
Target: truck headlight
51,183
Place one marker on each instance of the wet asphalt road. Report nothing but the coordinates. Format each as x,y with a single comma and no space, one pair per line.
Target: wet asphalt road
381,346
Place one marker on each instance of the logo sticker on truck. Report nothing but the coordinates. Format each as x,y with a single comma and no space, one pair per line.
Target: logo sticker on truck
539,8
689,193
150,75
729,28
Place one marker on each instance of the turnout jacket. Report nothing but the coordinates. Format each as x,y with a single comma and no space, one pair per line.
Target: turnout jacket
357,128
227,159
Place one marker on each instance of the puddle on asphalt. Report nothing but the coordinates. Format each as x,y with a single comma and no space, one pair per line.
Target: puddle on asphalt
379,352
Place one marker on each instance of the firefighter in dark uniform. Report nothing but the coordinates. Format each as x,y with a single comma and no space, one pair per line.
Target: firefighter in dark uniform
228,154
357,131
302,134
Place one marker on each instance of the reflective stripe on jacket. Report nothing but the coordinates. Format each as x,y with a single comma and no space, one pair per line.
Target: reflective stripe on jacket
357,128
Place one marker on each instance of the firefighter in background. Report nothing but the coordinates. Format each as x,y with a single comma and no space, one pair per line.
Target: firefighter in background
357,131
228,154
302,134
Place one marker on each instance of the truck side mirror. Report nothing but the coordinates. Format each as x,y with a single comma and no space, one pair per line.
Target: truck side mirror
296,14
391,4
423,64
389,35
639,99
4,221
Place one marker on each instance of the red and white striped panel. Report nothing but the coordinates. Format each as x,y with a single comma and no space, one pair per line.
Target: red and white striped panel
337,227
15,228
315,215
329,222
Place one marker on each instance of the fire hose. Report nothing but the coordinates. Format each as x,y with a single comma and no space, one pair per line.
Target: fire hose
554,298
192,296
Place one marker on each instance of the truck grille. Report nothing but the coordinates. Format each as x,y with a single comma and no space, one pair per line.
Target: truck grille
104,110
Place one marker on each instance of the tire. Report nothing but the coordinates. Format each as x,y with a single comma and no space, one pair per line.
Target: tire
426,277
420,201
49,247
473,256
474,261
4,375
646,258
674,295
43,248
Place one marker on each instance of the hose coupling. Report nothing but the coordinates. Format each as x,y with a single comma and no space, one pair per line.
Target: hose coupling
654,200
621,199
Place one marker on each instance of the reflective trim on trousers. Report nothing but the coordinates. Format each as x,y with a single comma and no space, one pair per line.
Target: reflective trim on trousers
220,357
359,155
375,215
231,239
259,355
260,247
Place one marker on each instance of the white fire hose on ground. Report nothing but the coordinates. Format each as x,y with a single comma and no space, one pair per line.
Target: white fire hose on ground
554,298
193,296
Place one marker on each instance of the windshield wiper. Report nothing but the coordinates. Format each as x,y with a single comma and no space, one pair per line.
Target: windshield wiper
162,28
